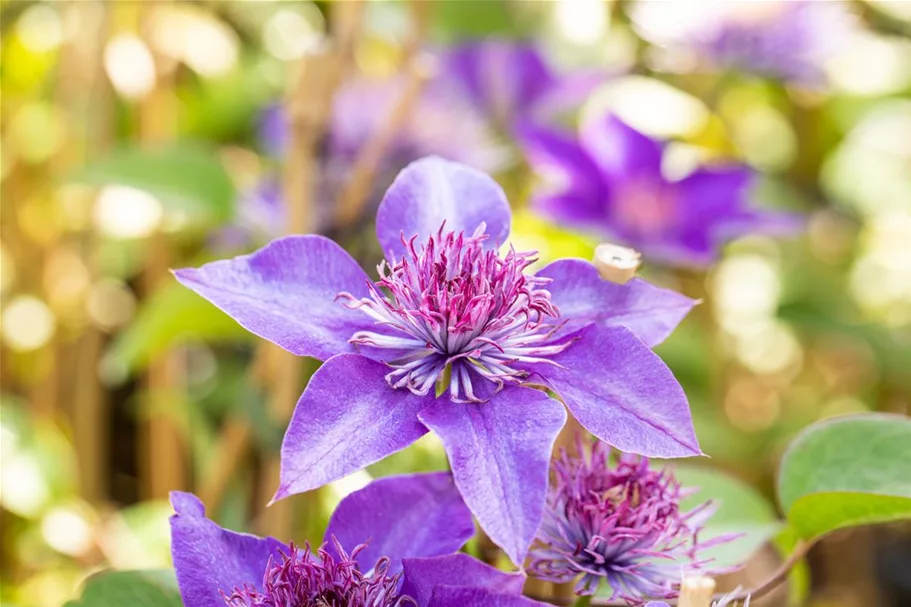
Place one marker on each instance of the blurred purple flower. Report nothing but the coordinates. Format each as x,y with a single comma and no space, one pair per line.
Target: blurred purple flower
390,544
609,181
452,314
786,40
440,123
617,527
511,80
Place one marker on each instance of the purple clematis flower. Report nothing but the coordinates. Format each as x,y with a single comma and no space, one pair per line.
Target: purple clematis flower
391,544
452,316
511,80
786,40
440,122
618,528
609,181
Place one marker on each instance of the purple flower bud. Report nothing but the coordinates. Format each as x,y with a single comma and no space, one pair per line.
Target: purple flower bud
454,304
301,579
619,525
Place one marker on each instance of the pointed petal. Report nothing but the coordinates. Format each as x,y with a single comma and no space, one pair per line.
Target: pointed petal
422,575
285,293
582,296
717,200
618,149
432,190
502,78
450,596
418,515
346,419
623,394
573,192
209,559
499,452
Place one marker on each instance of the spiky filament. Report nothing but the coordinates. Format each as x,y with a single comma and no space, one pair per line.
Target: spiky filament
618,525
300,578
454,309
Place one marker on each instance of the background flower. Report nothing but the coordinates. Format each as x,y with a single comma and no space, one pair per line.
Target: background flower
609,180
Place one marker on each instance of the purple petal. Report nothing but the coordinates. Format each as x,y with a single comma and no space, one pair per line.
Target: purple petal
419,515
285,292
432,190
499,453
717,201
346,419
623,393
208,559
582,296
504,78
574,191
618,149
450,596
422,575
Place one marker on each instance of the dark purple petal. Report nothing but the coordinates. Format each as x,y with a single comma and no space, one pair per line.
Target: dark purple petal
422,575
717,201
618,149
499,453
208,559
574,191
711,196
503,78
450,596
346,419
285,292
582,296
623,393
432,190
418,515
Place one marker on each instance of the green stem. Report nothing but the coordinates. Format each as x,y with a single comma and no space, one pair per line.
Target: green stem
583,601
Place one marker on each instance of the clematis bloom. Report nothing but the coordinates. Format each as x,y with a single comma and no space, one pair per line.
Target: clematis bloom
609,181
391,544
618,528
452,315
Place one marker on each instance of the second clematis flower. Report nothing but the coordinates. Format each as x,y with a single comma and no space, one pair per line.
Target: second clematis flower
391,544
457,337
609,181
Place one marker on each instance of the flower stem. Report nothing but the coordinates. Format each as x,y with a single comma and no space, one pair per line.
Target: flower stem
583,601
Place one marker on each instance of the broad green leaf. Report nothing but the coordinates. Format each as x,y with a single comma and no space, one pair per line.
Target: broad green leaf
134,588
740,510
847,471
173,315
187,178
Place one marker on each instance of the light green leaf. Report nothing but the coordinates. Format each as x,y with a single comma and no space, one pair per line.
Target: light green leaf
187,178
133,588
173,315
847,471
741,510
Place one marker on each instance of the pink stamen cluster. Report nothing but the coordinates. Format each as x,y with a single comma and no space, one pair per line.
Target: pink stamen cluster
451,311
617,524
304,579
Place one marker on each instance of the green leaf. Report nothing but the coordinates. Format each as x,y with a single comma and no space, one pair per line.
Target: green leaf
133,588
173,315
187,178
847,471
741,510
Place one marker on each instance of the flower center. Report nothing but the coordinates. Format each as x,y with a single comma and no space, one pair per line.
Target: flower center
452,311
621,523
645,207
302,579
